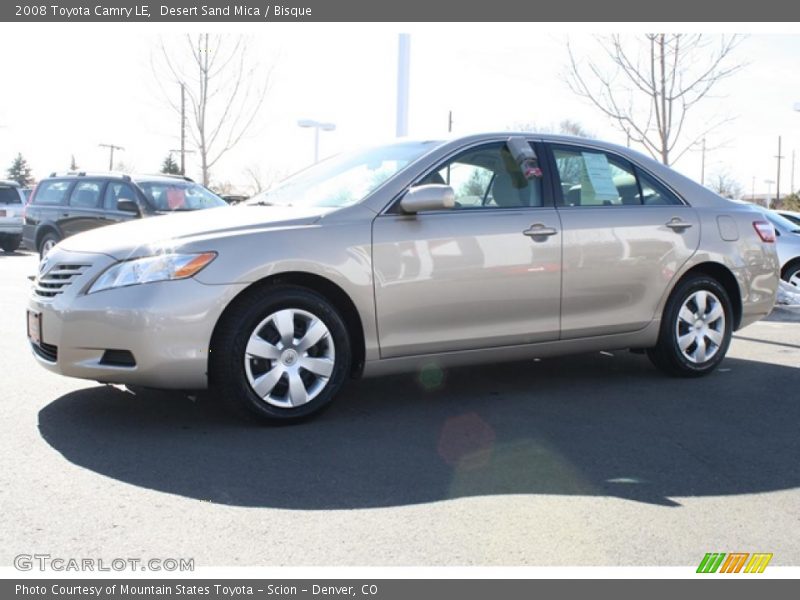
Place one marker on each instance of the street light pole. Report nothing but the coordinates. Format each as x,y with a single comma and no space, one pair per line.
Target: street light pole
317,125
769,183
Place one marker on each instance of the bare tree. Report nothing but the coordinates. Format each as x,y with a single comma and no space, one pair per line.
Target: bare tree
260,180
225,90
725,185
564,127
648,84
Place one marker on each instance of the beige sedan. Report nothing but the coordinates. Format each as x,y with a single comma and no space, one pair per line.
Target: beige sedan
487,248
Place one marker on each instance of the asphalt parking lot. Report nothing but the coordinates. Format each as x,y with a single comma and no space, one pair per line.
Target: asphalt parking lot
587,460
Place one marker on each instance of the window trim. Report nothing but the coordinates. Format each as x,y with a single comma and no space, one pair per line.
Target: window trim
548,200
558,193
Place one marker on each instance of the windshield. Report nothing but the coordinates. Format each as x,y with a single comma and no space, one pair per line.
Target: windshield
9,195
179,195
345,179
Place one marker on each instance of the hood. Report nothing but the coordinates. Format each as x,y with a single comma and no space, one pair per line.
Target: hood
139,237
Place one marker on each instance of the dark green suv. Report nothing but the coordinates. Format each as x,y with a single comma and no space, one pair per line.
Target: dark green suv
63,205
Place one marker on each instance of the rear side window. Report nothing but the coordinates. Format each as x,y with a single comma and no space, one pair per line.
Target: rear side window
51,192
86,194
9,195
593,178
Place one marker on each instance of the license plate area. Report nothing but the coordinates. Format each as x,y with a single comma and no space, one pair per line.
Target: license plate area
35,327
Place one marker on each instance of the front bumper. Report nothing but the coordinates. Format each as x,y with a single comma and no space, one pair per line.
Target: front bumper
165,326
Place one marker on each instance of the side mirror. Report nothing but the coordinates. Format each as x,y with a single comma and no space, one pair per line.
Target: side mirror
128,206
428,197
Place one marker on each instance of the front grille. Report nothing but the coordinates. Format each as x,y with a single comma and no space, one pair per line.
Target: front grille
46,351
54,280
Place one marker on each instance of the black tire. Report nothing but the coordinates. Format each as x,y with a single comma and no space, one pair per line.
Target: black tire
790,272
10,243
227,372
667,354
47,238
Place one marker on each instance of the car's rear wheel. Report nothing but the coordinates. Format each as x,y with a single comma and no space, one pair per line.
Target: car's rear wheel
46,244
696,328
10,243
792,275
280,354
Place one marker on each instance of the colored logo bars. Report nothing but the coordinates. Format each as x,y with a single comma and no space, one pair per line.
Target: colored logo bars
714,562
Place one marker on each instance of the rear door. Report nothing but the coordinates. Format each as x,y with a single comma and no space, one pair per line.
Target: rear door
84,210
625,235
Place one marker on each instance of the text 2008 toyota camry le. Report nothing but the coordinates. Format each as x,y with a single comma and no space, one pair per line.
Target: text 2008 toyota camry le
485,248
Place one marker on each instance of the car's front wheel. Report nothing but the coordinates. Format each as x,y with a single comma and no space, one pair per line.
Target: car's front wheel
696,328
48,241
280,354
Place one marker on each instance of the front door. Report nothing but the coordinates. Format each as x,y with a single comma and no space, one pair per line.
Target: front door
486,273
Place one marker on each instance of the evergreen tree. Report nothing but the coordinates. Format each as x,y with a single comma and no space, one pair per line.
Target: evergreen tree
73,166
20,171
169,166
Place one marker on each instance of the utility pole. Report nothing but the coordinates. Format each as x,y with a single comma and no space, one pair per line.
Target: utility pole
450,122
792,191
183,129
111,148
753,194
779,158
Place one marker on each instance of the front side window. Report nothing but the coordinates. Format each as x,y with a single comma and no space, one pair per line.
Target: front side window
116,191
86,194
487,177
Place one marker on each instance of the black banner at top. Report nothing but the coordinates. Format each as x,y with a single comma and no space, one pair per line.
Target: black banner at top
199,11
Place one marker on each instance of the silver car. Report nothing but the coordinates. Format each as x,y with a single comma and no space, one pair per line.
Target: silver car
487,248
12,205
788,246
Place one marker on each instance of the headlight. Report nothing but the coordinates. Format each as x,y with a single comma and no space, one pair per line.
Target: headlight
161,267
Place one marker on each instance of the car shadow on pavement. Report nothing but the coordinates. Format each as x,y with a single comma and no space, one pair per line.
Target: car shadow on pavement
599,425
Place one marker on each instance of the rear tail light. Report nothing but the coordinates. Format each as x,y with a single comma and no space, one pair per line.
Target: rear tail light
765,230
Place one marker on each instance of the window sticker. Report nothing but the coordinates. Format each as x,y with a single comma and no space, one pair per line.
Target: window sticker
598,183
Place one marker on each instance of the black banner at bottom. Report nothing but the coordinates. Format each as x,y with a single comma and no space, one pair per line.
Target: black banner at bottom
392,589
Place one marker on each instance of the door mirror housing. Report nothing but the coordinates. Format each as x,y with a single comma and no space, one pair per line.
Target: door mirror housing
128,206
428,197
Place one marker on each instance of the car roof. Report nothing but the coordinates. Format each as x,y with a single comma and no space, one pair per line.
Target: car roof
10,183
116,176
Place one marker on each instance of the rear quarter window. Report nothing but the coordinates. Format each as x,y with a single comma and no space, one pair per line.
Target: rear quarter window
51,192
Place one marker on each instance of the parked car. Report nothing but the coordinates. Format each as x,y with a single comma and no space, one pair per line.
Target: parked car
788,245
481,249
12,202
794,217
63,205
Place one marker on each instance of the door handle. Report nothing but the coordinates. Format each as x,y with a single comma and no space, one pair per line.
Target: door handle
677,224
538,229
